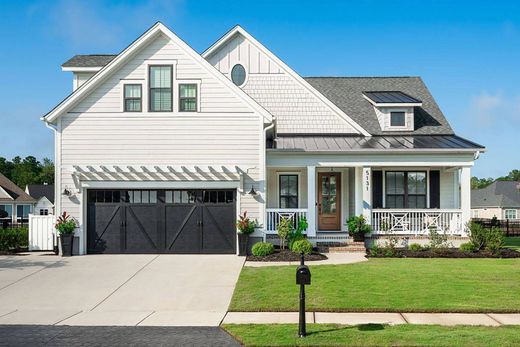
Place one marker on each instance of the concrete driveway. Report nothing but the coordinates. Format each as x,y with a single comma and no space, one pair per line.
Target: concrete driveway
152,290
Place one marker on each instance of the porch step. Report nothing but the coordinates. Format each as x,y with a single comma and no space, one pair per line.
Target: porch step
342,247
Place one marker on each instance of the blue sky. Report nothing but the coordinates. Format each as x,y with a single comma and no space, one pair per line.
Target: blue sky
467,52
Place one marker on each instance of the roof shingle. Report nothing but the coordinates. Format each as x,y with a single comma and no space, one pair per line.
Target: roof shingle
497,194
17,193
89,60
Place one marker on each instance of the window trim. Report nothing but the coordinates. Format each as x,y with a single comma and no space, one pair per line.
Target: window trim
11,216
405,195
509,210
183,83
245,71
133,98
397,126
20,218
298,195
149,83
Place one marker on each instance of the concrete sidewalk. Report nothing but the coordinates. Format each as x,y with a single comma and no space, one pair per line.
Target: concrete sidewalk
353,318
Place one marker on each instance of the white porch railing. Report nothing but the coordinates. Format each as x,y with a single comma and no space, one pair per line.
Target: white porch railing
274,215
417,222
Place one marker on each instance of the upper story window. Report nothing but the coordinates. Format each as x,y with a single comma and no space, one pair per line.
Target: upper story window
397,119
187,97
238,74
133,98
161,88
510,214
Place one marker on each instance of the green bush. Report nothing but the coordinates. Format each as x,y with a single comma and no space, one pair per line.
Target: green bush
260,249
415,247
12,239
302,246
494,240
467,247
284,227
298,233
357,225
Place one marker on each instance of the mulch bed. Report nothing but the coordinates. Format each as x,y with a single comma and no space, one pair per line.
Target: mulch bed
287,255
451,253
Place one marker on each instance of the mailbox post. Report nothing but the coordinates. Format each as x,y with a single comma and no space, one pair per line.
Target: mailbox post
303,278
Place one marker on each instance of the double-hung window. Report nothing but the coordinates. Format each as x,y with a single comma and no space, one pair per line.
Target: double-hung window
405,189
288,185
510,214
160,94
8,209
133,98
187,97
22,212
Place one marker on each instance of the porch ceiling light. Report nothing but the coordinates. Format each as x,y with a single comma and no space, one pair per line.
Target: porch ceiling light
252,192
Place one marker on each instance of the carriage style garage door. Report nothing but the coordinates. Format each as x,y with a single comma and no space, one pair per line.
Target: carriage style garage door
161,221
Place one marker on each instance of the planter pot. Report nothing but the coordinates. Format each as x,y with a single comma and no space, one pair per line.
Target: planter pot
359,237
66,241
242,244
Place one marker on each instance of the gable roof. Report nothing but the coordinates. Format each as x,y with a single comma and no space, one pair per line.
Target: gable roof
497,194
16,193
238,30
89,60
120,59
347,94
38,191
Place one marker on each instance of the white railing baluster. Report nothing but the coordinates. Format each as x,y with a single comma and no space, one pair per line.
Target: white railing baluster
274,215
416,221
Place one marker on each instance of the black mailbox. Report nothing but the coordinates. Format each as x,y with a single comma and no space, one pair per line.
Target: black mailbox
303,275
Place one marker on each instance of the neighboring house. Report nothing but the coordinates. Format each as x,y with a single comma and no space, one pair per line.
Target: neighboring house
13,200
44,196
501,199
159,148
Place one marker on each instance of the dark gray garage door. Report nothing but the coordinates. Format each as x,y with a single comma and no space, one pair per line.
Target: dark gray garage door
161,221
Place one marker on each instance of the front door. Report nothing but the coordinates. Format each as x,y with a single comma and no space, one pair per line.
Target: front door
329,201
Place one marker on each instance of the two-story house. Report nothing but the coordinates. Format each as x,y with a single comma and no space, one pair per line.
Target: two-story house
160,148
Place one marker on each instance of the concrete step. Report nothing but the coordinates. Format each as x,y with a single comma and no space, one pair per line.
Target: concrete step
348,249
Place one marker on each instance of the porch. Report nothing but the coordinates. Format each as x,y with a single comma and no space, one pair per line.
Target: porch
395,200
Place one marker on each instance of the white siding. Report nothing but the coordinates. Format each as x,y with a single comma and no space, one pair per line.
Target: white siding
297,110
383,116
79,78
43,204
97,132
448,189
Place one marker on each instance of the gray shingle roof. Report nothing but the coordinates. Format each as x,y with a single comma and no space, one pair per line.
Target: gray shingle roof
39,190
334,143
347,94
498,194
14,191
89,60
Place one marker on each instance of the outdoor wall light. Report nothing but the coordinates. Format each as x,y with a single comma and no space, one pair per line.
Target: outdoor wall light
252,192
67,192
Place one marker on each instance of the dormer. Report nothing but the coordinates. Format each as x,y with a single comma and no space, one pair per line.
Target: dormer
394,109
85,66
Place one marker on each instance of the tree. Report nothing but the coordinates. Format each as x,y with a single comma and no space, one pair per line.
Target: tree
514,175
479,183
28,170
47,171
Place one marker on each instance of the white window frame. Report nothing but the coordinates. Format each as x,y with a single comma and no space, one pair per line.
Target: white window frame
475,213
21,217
177,83
511,210
397,109
11,217
294,173
412,169
245,66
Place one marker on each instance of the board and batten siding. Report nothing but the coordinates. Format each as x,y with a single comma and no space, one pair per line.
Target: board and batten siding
296,109
226,131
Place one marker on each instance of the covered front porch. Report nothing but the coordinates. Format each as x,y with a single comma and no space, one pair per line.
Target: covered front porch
395,199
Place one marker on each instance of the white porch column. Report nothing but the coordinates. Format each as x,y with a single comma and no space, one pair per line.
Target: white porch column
367,194
311,200
465,195
358,190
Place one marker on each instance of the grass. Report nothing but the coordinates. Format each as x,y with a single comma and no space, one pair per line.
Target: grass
375,335
386,285
513,243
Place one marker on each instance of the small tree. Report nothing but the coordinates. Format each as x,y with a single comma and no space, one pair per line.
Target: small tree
284,227
358,227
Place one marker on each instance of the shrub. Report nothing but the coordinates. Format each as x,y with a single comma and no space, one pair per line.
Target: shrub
284,227
12,239
260,249
467,247
302,246
477,235
298,233
65,224
494,240
357,225
415,247
245,225
438,240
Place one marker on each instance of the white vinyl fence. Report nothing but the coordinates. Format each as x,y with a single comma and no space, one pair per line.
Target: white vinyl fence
41,232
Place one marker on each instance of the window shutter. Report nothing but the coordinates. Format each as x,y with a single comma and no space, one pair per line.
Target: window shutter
377,189
435,189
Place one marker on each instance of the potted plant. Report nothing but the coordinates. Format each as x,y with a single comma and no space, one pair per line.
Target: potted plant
358,227
245,227
65,226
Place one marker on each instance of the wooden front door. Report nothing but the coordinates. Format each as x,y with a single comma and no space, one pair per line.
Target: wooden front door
329,201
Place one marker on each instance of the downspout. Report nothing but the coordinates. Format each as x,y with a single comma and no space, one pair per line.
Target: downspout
269,127
57,199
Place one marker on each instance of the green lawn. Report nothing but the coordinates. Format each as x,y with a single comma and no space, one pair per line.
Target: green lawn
513,243
375,335
387,284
